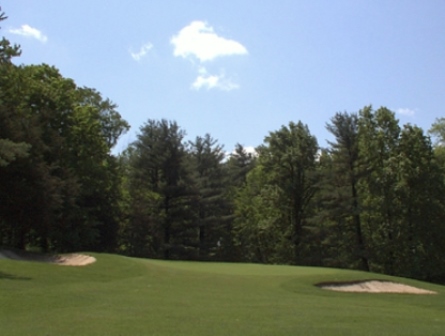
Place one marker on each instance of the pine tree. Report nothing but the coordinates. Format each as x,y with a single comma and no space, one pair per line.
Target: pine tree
341,201
158,168
210,199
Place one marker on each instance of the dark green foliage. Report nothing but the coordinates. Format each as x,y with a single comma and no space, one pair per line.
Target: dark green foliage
7,51
340,200
59,185
156,176
379,200
239,164
373,200
177,196
277,197
210,204
378,140
10,151
420,189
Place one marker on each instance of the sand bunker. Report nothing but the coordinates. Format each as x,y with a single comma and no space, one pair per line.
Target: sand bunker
374,286
63,260
75,260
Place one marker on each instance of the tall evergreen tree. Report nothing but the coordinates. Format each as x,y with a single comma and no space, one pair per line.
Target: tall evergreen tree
210,200
419,189
239,164
158,167
341,200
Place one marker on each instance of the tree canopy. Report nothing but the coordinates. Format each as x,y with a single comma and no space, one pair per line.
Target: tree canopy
371,200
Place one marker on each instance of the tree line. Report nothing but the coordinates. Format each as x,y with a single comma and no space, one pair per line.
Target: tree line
371,200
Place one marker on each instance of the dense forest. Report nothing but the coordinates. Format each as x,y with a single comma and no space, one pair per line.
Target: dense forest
372,200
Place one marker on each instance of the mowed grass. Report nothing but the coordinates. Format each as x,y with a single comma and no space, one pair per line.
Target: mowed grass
129,296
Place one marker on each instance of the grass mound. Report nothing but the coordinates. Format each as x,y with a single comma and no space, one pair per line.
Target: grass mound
127,296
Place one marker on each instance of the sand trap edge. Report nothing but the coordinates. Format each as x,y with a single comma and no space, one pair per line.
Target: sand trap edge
73,259
373,286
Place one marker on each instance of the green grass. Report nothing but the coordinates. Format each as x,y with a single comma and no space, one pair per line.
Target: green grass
127,296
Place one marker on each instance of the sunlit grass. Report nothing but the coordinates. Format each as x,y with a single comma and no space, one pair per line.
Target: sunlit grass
128,296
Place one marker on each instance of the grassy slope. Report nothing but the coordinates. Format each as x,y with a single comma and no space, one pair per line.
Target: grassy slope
126,296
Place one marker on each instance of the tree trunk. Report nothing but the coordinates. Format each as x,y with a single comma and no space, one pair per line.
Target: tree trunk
358,231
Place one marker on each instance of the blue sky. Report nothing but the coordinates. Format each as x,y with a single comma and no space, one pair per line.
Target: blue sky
241,69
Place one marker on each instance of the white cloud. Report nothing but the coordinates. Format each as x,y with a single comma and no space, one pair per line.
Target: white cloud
198,39
214,82
142,52
221,82
29,31
406,111
248,149
205,81
251,150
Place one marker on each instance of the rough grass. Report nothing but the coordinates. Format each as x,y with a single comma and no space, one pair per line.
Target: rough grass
128,296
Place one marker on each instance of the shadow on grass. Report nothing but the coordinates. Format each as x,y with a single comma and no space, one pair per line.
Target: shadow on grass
8,276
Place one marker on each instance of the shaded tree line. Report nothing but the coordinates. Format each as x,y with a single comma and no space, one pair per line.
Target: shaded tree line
371,200
179,195
59,184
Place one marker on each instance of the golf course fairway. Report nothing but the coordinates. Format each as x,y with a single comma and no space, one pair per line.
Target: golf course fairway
118,295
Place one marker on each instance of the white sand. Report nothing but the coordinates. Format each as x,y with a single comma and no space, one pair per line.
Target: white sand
63,260
75,260
375,286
